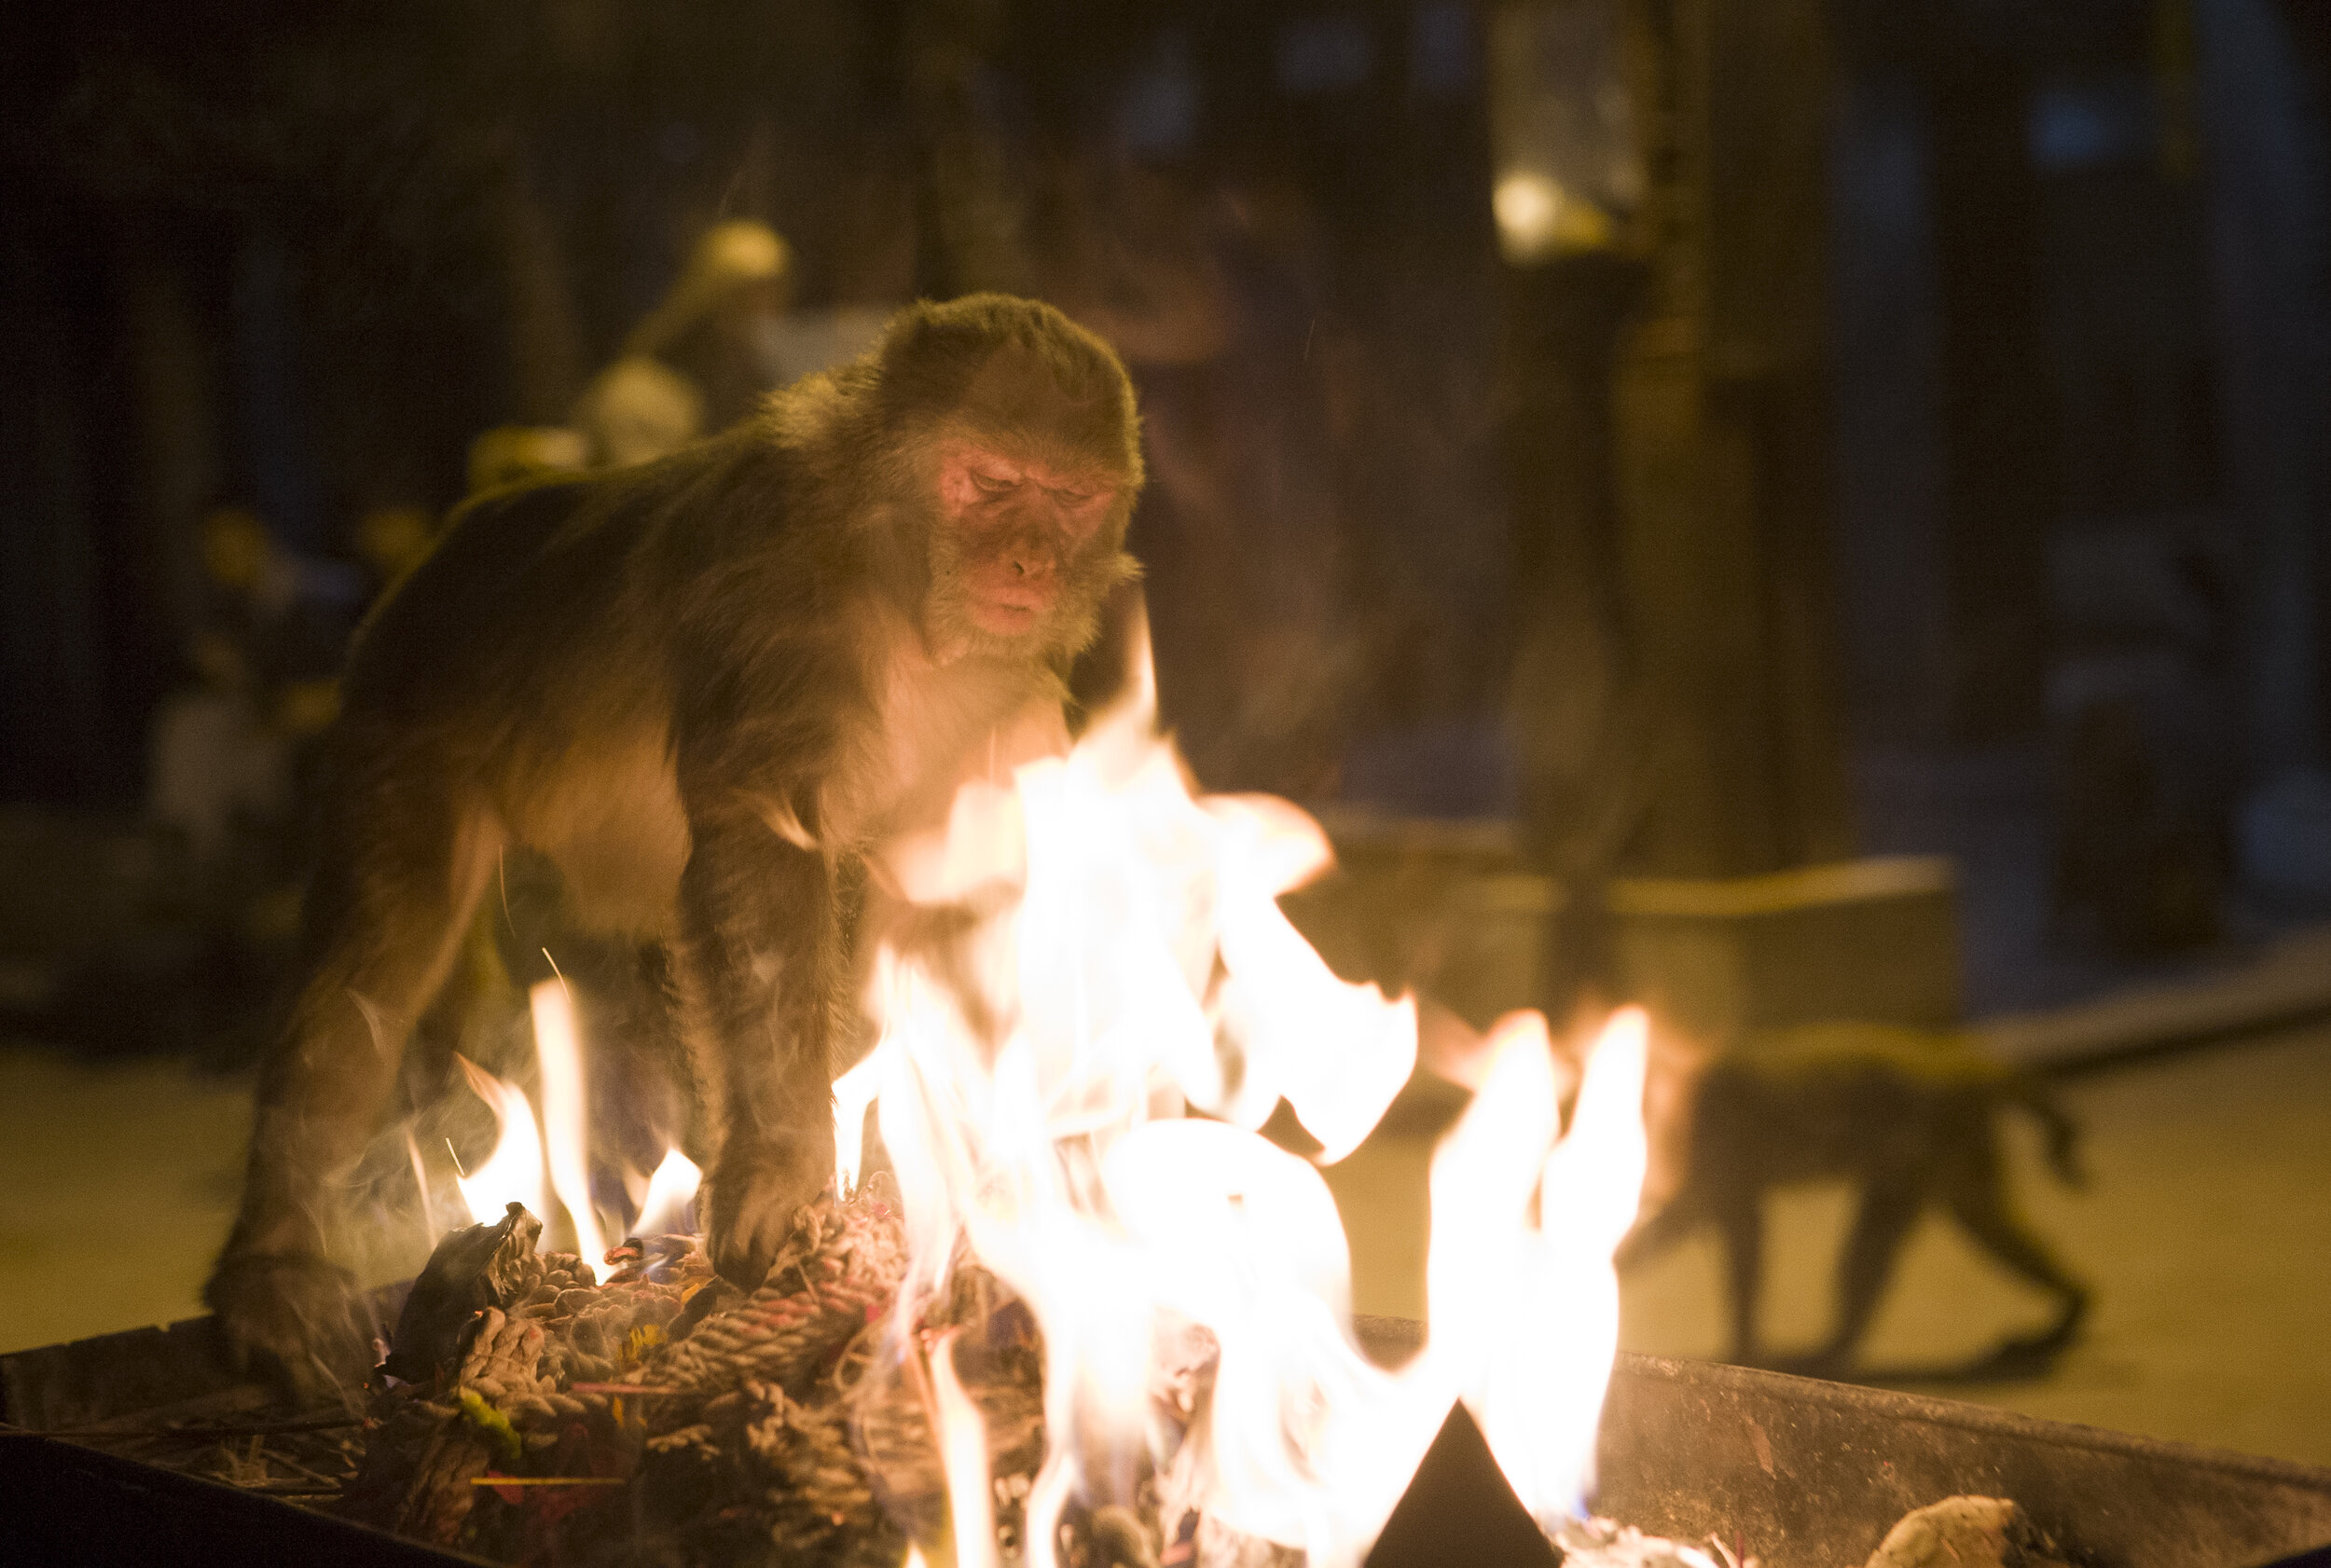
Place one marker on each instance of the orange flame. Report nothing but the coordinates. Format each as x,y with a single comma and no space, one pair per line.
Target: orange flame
1133,964
558,1051
513,1174
667,1208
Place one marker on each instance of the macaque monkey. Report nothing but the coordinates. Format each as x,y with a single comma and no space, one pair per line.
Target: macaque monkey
709,689
1909,1117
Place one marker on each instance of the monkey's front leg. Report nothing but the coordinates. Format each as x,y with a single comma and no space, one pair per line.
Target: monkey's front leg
399,872
762,970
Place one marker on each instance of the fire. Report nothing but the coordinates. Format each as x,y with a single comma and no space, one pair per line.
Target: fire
1070,1082
1130,966
513,1174
1520,1271
525,1155
963,1446
561,1055
669,1207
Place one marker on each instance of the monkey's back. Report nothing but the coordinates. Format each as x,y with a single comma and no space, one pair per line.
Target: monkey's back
502,600
1838,1099
514,669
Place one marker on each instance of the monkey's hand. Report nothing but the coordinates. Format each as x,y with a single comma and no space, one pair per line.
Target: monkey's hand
755,1191
287,1318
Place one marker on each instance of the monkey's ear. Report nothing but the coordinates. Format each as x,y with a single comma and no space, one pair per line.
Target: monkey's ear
1106,671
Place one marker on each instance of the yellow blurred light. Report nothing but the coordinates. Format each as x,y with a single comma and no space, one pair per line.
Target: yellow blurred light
1538,219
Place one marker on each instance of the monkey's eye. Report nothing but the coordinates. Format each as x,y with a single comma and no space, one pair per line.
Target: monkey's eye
993,484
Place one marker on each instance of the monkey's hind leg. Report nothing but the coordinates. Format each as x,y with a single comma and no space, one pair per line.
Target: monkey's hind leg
1890,1205
1740,1218
401,868
1975,1190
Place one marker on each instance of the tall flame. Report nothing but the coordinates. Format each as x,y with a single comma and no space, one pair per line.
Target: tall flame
1520,1268
963,1436
564,1114
1130,963
513,1174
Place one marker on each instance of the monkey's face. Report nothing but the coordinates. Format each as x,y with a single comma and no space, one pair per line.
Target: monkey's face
1025,548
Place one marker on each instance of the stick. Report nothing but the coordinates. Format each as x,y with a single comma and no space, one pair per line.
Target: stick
277,1489
620,1388
200,1434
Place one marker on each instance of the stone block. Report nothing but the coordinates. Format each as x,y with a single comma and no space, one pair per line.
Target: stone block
1444,908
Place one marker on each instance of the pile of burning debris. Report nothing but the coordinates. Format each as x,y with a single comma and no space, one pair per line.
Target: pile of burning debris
531,1413
528,1414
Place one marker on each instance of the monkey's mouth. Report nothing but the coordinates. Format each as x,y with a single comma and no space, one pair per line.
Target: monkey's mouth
1009,612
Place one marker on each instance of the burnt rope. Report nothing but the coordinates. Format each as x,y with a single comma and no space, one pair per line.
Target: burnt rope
837,1274
681,1372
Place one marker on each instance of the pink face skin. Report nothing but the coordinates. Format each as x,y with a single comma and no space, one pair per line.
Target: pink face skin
1018,522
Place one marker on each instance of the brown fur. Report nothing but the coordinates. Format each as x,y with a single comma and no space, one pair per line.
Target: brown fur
708,690
1908,1115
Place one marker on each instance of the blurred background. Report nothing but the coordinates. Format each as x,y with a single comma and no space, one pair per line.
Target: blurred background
1802,513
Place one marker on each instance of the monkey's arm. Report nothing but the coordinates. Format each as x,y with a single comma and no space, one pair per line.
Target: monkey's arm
761,969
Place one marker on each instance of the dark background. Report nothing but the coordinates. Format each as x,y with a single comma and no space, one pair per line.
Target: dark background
2002,352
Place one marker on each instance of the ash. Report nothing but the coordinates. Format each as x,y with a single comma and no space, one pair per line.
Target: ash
1602,1543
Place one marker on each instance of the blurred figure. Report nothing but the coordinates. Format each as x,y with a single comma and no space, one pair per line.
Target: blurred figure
511,454
638,409
1910,1118
701,359
390,541
264,657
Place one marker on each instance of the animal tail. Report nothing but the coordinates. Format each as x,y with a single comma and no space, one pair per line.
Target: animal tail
2063,1133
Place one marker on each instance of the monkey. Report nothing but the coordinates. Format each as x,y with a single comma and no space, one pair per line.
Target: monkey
711,690
1907,1114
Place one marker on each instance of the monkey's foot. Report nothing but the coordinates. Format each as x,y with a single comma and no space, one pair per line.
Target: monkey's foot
754,1194
2034,1355
288,1318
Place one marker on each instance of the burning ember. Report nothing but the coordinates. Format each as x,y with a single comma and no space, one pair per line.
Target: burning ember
1090,1313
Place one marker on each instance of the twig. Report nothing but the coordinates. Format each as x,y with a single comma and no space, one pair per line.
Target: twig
290,1463
196,1434
621,1388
